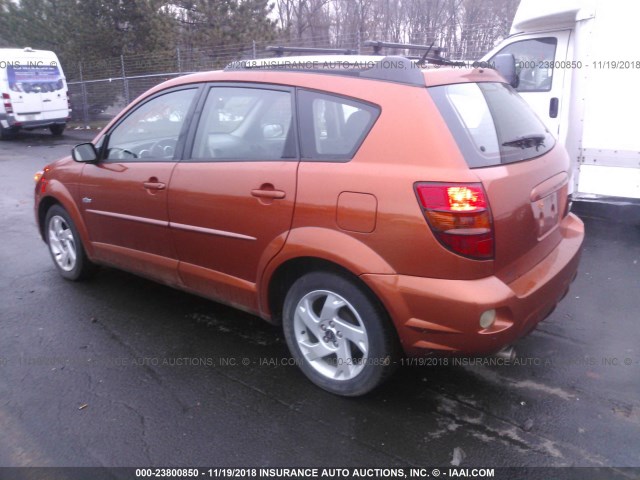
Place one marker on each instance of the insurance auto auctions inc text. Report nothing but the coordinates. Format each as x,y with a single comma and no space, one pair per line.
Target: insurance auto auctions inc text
359,473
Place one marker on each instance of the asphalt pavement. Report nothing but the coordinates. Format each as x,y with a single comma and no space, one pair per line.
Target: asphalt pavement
120,371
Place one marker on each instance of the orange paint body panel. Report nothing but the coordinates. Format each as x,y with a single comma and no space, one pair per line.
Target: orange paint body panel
227,228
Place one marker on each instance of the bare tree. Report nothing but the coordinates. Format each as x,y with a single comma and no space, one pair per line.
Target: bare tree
465,28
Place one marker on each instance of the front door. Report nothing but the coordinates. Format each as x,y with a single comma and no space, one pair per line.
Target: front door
124,195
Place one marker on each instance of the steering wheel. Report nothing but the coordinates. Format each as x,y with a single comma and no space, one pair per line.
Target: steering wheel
116,153
163,148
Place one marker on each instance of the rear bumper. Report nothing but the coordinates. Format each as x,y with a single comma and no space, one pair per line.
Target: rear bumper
9,121
437,316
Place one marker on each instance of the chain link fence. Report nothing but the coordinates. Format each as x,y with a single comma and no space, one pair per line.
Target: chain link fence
100,89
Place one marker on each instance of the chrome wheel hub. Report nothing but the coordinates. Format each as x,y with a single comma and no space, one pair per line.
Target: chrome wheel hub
62,244
331,335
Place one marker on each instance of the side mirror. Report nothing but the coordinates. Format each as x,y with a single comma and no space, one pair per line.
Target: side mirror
505,64
85,152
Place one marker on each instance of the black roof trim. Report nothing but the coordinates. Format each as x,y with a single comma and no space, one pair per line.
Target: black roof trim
398,69
391,68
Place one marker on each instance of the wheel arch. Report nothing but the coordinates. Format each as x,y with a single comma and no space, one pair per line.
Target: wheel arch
317,249
57,194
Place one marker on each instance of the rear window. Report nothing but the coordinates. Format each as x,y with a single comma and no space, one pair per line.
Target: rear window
34,78
491,123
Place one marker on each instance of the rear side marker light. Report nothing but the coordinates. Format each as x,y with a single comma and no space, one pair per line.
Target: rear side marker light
41,181
459,217
567,207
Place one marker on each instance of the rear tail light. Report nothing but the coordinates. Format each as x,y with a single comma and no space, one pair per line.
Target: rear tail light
459,216
6,102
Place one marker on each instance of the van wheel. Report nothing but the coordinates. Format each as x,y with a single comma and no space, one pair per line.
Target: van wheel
56,130
8,133
65,245
339,336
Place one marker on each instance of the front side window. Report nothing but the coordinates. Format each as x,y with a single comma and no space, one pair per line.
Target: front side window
534,63
151,131
239,123
333,127
491,123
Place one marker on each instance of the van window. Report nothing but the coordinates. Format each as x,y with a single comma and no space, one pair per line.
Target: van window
491,123
534,63
34,78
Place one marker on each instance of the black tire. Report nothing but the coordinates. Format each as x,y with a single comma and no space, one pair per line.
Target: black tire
62,239
8,133
56,130
317,308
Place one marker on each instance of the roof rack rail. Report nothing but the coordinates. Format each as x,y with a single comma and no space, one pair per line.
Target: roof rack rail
436,58
280,50
378,45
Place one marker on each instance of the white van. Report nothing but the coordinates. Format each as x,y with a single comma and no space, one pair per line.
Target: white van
33,92
579,69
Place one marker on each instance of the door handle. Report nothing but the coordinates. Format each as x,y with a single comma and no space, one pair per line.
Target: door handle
270,194
154,185
553,107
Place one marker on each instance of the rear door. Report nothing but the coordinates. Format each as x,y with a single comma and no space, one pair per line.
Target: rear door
25,85
231,199
541,66
53,92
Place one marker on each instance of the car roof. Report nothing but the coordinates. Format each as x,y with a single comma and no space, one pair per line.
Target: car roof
390,68
394,69
307,71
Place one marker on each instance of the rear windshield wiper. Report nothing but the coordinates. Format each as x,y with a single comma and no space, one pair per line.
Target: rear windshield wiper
526,141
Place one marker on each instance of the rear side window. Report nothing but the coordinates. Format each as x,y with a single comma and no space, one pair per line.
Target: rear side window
239,123
491,123
333,127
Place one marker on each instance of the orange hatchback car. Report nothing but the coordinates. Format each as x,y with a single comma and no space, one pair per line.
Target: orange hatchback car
372,208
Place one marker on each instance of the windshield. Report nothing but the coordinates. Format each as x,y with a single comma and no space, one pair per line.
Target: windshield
491,123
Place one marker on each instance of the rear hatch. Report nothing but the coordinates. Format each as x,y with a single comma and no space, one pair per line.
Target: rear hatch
512,154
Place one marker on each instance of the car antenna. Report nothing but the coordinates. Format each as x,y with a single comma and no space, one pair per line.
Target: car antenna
424,56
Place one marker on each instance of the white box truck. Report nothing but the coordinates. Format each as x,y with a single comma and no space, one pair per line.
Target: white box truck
33,92
578,66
